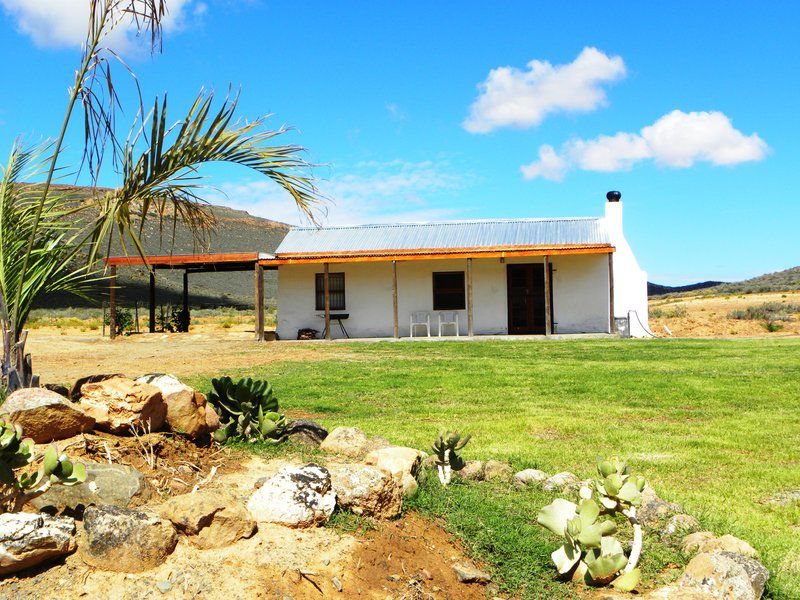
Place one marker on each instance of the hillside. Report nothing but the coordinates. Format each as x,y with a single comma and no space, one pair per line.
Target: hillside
781,281
235,231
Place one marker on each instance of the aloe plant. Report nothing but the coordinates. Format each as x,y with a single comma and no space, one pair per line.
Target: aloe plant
248,410
590,551
447,460
18,487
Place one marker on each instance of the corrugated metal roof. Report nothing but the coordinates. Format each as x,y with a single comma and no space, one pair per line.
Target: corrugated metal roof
588,231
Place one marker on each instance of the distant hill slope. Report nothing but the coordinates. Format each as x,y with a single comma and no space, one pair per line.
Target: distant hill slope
780,281
235,231
655,289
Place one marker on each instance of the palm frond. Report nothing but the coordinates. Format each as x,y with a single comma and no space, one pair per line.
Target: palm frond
162,180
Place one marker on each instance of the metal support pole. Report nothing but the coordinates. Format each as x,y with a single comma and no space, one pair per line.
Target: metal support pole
152,302
470,331
259,303
327,292
112,302
394,300
548,321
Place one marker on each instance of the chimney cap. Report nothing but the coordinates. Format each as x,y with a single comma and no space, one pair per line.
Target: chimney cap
614,196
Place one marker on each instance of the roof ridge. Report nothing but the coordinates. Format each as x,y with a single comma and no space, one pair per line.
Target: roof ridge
441,223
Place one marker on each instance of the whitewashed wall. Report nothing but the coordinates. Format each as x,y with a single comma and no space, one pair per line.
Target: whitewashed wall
630,281
580,295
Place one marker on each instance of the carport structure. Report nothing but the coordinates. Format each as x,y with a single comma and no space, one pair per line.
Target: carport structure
192,263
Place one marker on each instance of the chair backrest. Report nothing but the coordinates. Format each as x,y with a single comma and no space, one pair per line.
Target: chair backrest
419,316
448,316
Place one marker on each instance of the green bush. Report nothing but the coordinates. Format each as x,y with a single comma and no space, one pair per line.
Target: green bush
124,321
248,410
768,311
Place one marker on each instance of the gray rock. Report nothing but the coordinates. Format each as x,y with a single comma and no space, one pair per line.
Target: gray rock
706,541
186,407
725,575
337,584
402,462
295,497
528,477
366,490
561,482
164,586
470,574
126,540
46,416
306,431
117,485
473,471
784,498
347,441
679,525
654,511
377,442
27,540
497,470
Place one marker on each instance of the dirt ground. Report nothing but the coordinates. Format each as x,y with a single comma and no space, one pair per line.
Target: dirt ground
707,316
409,558
63,355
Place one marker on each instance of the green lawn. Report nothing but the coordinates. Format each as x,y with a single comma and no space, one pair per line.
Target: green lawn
713,424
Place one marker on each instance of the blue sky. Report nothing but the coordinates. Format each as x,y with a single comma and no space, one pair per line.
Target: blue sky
428,111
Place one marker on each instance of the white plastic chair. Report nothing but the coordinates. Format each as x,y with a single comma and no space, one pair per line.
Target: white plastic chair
420,318
448,318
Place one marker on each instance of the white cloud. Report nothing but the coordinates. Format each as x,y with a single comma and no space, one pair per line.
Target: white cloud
370,192
550,165
523,98
395,112
677,140
59,23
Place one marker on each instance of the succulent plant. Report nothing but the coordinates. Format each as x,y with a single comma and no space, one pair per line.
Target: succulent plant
248,410
445,448
590,551
17,453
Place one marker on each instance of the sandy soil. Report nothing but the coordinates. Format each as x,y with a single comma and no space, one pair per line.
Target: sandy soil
409,558
63,355
707,316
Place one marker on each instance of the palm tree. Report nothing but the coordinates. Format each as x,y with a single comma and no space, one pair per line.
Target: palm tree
49,242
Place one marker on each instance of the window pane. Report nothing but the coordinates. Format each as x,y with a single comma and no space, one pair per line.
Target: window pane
335,290
448,291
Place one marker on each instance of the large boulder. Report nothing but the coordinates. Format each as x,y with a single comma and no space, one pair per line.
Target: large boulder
347,441
119,403
529,477
402,463
74,392
126,540
473,470
295,497
27,540
705,541
654,511
46,416
561,482
725,575
186,407
367,491
497,470
210,519
306,432
117,485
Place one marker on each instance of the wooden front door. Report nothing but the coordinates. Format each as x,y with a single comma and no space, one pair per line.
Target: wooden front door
526,299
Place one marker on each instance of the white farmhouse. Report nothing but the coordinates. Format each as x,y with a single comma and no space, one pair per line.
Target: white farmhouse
491,277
